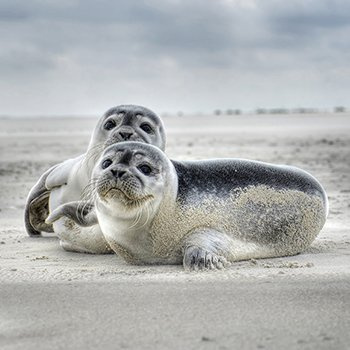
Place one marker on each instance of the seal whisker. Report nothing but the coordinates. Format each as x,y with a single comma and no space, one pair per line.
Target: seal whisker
147,207
89,189
93,154
137,219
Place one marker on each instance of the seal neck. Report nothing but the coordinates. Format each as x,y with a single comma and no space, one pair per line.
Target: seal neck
127,235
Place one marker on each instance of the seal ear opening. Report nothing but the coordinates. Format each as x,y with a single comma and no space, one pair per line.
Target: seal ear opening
81,212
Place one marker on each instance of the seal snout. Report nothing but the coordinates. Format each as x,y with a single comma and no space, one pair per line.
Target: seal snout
125,135
125,132
120,183
118,173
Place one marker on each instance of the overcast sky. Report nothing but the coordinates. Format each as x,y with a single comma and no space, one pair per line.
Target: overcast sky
84,56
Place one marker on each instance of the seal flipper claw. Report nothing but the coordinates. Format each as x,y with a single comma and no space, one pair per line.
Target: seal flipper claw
196,258
206,249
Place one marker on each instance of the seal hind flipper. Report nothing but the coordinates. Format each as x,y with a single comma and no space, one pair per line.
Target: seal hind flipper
39,211
82,213
37,207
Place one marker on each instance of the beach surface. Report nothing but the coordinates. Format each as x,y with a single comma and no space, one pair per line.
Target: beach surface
50,298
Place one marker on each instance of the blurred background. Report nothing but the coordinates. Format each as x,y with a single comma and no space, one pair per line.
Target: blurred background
75,57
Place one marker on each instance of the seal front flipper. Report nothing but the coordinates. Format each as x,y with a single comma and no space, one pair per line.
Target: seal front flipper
196,258
205,249
60,174
81,212
37,206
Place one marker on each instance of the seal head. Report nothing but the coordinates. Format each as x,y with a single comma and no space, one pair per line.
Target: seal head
130,176
129,123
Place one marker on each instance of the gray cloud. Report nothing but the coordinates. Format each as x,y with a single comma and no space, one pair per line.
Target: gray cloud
84,56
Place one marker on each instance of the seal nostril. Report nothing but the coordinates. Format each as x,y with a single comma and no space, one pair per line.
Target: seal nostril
117,173
125,135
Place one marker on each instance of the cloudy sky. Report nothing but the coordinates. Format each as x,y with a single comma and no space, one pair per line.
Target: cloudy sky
84,56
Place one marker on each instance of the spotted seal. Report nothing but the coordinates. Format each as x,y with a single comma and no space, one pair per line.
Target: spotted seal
204,214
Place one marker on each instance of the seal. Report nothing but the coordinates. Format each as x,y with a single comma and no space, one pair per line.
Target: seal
203,214
67,181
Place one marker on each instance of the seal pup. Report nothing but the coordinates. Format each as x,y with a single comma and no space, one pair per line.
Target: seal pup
204,214
67,181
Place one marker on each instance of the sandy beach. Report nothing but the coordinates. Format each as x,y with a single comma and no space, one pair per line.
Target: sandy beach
50,298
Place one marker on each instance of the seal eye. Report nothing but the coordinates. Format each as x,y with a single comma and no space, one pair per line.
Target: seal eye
106,163
146,128
110,124
144,168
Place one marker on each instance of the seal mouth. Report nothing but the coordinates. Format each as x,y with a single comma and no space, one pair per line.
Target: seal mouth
115,192
125,198
116,139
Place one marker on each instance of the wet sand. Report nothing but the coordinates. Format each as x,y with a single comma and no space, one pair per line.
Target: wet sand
50,298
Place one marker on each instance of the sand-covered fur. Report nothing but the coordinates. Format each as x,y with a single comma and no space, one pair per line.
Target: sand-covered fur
259,221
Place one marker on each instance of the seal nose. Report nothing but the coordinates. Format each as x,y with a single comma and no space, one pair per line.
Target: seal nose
125,135
118,173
